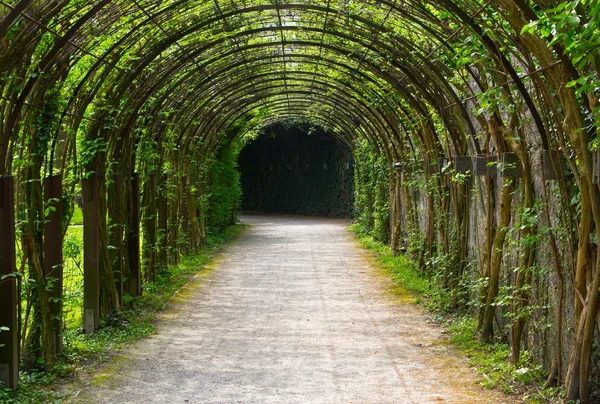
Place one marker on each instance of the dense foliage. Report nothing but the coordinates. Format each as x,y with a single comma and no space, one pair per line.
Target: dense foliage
224,191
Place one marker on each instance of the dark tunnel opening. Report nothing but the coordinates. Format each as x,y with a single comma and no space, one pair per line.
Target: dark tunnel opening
297,168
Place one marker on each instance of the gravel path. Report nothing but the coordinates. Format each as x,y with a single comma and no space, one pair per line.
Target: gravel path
293,312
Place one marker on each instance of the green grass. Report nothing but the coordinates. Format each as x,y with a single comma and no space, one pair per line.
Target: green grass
73,277
399,267
77,216
136,322
491,360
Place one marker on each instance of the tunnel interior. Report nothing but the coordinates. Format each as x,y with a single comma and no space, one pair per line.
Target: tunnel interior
296,168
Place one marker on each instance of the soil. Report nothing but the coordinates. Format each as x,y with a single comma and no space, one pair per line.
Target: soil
293,311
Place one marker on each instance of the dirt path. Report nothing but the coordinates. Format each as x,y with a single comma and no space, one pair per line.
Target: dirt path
292,313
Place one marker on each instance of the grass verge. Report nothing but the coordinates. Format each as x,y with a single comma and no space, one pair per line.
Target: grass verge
398,267
136,322
491,360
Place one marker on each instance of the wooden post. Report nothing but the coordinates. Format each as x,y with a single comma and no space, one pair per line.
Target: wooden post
185,219
53,257
150,217
91,252
9,353
596,167
162,205
134,282
116,239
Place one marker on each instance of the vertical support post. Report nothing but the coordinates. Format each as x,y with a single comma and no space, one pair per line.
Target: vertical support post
150,217
185,218
9,353
116,239
134,282
53,258
91,252
163,211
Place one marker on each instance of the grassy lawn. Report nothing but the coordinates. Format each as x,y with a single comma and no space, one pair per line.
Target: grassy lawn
77,216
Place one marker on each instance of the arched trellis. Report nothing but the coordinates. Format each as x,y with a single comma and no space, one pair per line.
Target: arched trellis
195,74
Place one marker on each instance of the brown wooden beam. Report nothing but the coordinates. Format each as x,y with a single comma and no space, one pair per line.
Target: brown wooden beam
151,236
162,206
53,257
185,219
9,339
134,282
116,230
91,252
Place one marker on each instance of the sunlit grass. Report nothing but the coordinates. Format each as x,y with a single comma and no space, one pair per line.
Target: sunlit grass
490,360
77,217
399,267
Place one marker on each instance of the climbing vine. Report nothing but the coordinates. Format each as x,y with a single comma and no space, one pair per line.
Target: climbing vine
473,127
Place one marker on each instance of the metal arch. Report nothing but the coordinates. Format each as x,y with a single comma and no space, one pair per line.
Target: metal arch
338,49
402,90
345,101
281,105
365,107
101,59
237,89
344,35
199,94
419,87
383,98
372,125
259,8
344,117
284,102
218,126
409,97
311,58
351,128
294,110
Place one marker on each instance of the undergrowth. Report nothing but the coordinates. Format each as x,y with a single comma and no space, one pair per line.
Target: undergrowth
491,360
133,324
399,267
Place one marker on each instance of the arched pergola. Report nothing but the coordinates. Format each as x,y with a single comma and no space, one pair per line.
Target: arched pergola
137,97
